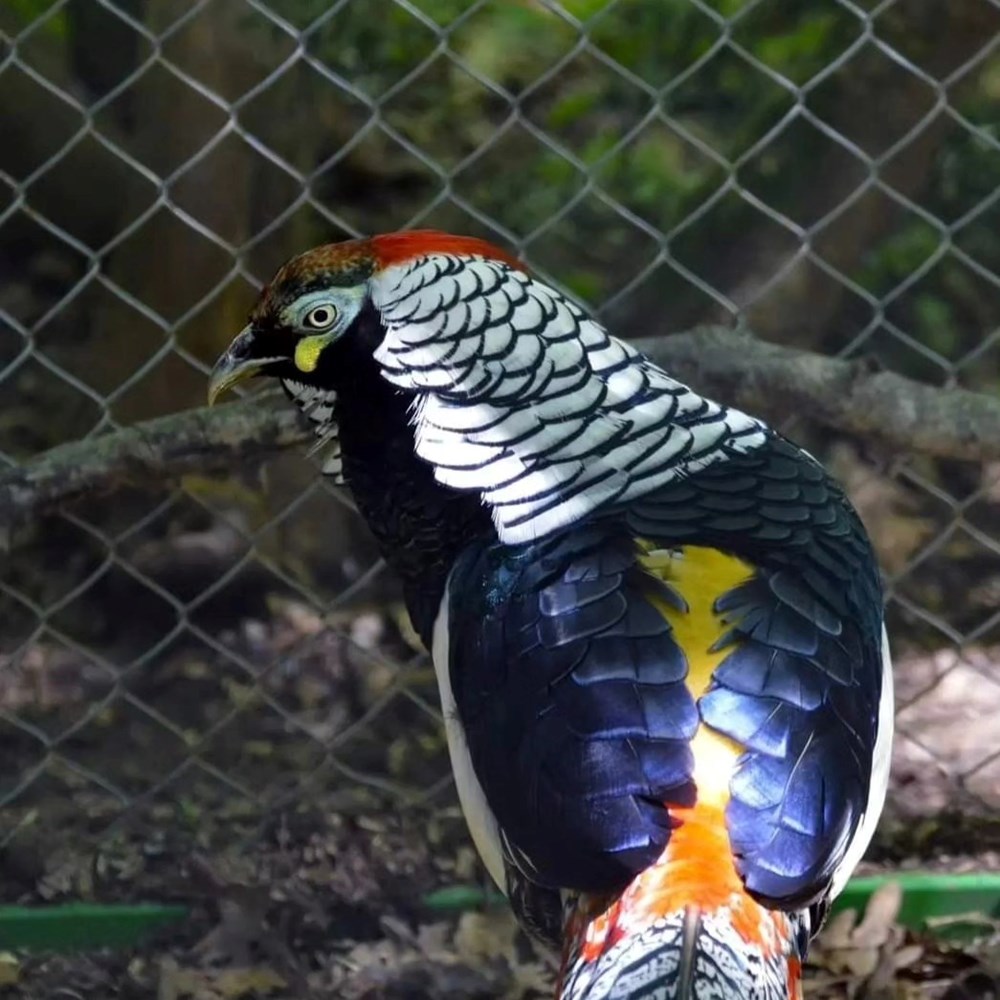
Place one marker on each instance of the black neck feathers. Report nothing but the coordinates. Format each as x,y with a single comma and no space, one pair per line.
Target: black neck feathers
420,525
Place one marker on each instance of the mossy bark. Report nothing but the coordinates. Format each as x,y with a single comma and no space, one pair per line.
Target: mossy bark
848,396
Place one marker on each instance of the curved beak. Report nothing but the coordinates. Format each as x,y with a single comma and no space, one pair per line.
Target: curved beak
236,365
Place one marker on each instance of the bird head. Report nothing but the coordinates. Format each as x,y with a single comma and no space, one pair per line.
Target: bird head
322,298
501,384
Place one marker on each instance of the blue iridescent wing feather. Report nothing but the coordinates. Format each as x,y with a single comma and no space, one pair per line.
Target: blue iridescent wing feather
570,688
570,683
800,688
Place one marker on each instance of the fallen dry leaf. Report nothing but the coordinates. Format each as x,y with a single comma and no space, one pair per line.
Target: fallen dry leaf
234,983
178,983
10,969
867,954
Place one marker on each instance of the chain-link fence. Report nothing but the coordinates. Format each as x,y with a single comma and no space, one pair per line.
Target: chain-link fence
192,660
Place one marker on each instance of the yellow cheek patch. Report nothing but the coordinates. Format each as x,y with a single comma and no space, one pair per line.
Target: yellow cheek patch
307,352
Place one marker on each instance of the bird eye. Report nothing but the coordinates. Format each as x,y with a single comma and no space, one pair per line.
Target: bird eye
320,317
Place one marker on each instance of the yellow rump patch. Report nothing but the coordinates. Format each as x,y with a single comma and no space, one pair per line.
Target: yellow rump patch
699,576
696,869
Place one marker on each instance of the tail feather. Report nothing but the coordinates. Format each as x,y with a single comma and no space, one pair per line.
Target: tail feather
684,929
688,966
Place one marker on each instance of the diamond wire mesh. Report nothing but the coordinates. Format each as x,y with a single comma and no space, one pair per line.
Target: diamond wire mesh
822,171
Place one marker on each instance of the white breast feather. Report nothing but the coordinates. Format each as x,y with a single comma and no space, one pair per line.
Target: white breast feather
478,815
528,401
318,405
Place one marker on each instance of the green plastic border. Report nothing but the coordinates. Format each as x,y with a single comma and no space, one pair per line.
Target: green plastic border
929,899
927,896
82,926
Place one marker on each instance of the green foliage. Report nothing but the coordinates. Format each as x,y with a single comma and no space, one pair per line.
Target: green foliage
798,38
511,44
897,257
951,305
655,41
442,11
497,117
16,15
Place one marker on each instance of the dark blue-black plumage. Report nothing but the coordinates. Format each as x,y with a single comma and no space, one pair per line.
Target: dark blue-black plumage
800,689
570,684
570,688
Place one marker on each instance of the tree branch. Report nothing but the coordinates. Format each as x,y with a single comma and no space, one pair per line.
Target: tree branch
148,454
847,396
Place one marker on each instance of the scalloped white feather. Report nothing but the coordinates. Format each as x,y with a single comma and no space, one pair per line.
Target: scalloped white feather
527,400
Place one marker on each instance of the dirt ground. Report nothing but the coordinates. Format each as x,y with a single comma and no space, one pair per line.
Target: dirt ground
327,905
287,779
330,906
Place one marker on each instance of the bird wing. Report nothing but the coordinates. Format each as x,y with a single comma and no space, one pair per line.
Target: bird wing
728,623
586,697
806,678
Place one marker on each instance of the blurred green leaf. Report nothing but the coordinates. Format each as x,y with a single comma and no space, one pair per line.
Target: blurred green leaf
26,12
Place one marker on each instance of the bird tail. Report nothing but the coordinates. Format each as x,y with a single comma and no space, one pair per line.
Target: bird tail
684,929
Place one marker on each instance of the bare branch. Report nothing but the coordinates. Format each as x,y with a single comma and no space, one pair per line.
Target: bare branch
847,396
148,454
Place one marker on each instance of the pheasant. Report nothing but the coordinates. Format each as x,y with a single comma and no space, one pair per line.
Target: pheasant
656,623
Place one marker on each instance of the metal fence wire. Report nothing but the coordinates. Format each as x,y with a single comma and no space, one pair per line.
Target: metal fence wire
204,654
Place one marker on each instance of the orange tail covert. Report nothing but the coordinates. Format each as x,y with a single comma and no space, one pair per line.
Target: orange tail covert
685,929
